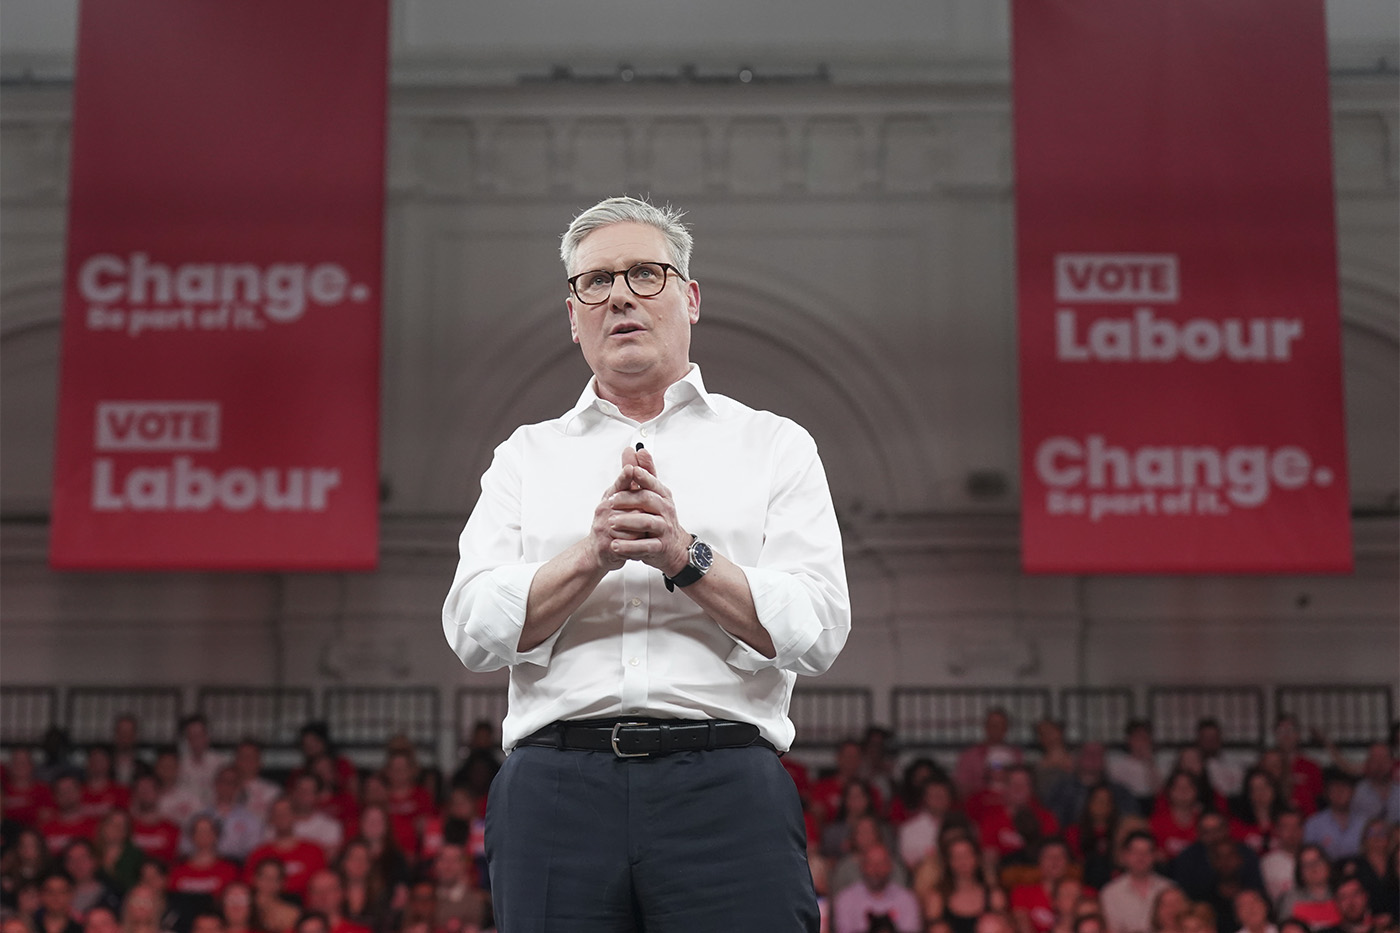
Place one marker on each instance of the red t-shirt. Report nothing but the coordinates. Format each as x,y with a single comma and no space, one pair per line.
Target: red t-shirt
158,839
345,926
998,832
60,831
25,804
1171,836
1318,914
1033,899
1307,785
828,793
1256,837
406,808
100,801
301,859
211,879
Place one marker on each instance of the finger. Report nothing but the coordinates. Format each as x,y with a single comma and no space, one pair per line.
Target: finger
647,480
646,461
636,500
629,456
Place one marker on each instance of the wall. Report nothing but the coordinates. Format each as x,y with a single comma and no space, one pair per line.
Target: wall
855,254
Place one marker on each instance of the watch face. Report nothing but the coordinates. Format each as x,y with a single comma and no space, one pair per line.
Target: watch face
701,556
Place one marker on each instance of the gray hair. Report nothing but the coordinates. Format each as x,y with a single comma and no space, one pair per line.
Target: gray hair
630,210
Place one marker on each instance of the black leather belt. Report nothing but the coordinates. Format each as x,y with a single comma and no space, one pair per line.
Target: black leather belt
646,738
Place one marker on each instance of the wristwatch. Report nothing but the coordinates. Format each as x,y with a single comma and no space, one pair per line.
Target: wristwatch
701,557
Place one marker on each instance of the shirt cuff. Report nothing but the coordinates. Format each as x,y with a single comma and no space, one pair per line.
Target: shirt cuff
785,610
498,616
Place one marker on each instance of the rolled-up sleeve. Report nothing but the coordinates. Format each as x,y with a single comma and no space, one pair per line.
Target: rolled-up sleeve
799,581
485,609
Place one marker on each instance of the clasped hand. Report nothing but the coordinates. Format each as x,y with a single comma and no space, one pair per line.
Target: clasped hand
636,520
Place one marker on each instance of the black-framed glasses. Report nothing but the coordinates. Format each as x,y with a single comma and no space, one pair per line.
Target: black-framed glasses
645,279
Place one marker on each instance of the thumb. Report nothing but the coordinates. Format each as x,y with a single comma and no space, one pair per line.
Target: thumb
645,461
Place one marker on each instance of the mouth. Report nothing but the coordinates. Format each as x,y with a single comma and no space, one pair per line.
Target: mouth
625,328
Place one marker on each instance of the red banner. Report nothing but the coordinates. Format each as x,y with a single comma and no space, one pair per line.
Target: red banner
219,394
1181,387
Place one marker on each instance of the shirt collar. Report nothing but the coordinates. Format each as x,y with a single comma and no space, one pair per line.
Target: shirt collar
690,387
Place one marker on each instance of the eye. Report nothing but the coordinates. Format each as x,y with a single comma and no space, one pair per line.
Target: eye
643,273
591,279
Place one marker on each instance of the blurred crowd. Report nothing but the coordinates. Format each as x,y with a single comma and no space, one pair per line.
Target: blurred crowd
138,837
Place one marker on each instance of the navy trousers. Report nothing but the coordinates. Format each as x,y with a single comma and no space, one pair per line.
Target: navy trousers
694,842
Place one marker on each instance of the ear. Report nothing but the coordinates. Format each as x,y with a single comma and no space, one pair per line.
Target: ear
692,300
573,322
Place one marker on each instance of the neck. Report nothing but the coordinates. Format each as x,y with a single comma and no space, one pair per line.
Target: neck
641,406
640,397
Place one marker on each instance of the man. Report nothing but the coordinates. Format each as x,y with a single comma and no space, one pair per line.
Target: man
126,755
1197,872
1354,906
101,920
156,836
69,821
240,830
688,599
198,762
1127,899
1136,767
178,802
991,753
326,895
1303,774
847,870
1377,793
1337,829
460,904
300,859
1016,821
55,914
256,792
918,835
309,822
874,896
1224,775
828,791
1278,866
1090,770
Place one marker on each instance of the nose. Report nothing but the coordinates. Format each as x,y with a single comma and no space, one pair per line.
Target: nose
621,296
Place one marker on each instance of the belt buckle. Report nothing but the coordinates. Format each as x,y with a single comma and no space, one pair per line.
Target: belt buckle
613,741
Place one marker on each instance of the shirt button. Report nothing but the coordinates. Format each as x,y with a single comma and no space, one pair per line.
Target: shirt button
644,432
636,601
635,661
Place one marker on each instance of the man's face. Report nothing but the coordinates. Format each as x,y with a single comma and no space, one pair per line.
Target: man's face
304,795
1091,758
323,893
67,793
1378,764
248,761
1212,829
57,896
1208,738
1140,742
1352,902
848,759
995,728
1019,789
449,864
1286,735
100,920
1251,909
281,818
629,339
1339,795
226,786
1288,831
875,867
144,793
196,736
124,732
1137,857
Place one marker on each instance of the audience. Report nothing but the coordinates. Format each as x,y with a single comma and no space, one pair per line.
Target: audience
329,849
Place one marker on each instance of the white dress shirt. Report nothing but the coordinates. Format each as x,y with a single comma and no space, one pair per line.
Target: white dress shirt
748,483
